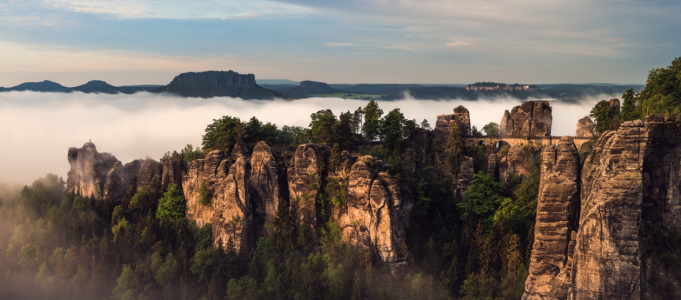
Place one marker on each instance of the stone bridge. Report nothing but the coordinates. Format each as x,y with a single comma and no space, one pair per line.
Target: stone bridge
475,140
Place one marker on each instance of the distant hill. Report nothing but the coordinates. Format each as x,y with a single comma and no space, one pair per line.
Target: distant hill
217,84
262,82
96,86
376,89
278,87
309,87
445,92
43,86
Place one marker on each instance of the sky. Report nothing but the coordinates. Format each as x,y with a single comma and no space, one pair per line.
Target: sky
37,129
127,42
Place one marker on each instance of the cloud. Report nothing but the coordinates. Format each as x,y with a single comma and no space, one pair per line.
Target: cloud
330,44
459,43
38,128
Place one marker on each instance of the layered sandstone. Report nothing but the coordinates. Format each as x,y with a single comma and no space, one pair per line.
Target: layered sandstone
120,179
557,216
515,162
267,185
530,119
89,169
207,171
463,179
232,208
305,176
585,127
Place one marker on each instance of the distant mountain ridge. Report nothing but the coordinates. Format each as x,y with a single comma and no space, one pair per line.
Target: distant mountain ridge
93,86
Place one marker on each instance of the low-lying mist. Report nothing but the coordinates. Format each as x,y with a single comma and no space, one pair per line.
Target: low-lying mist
36,129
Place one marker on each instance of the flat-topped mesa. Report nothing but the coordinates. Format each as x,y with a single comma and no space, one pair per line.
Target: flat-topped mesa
585,127
89,169
556,223
530,119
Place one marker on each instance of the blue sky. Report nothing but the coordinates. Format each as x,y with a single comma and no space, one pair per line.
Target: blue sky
351,41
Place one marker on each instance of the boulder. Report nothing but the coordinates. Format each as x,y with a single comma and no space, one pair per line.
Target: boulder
556,223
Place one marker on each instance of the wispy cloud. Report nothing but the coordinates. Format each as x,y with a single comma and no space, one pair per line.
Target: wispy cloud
331,44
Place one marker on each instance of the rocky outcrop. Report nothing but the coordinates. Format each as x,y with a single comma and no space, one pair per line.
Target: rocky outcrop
267,185
172,173
607,254
232,208
464,118
209,170
530,119
556,223
614,106
376,212
89,170
515,162
305,177
463,179
217,84
585,127
120,179
150,175
491,169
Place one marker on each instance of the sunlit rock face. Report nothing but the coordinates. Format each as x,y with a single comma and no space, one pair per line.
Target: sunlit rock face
376,213
585,127
304,176
556,223
530,119
267,185
89,169
209,170
232,215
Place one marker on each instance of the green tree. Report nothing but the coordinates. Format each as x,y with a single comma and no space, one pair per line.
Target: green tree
605,117
372,121
323,127
629,106
221,134
171,205
491,129
662,93
165,272
393,130
483,196
204,194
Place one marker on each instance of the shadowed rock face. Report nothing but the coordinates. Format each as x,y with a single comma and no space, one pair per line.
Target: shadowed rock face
585,127
150,175
492,165
607,254
89,169
265,185
530,119
463,179
305,175
515,162
557,215
120,179
232,216
464,118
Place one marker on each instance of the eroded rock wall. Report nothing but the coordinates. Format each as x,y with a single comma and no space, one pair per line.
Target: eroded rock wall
232,208
89,169
530,119
211,169
267,185
556,223
305,177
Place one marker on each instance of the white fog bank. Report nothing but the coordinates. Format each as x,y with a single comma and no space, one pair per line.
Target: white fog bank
36,129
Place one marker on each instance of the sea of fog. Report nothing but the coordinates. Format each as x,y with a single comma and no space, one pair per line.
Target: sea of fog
36,129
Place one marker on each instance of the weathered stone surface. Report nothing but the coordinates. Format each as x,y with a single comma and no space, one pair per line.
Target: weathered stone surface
376,211
210,170
530,119
585,127
238,151
150,175
463,179
89,169
232,216
492,165
556,223
614,106
120,179
172,173
607,259
267,185
464,118
304,176
515,162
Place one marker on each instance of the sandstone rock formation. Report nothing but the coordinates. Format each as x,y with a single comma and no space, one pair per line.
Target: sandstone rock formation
89,169
585,127
376,211
607,254
172,173
530,119
305,175
120,179
267,185
557,216
150,175
464,118
210,170
463,179
232,214
614,106
492,165
515,162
